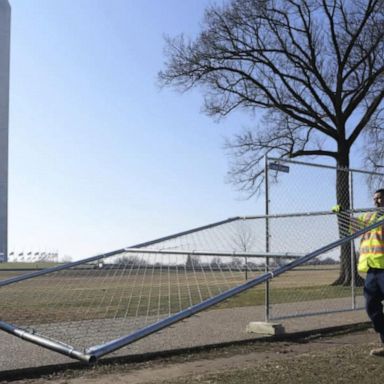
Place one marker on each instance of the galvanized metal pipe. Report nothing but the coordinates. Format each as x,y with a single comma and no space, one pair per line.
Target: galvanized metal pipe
46,271
111,346
304,214
287,255
267,235
47,343
92,353
324,166
353,264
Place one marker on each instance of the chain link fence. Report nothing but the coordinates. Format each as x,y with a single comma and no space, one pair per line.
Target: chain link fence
330,282
298,259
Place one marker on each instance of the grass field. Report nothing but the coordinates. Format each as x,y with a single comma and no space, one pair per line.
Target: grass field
75,295
25,266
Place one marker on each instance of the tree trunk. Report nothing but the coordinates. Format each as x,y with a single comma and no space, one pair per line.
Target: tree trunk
347,259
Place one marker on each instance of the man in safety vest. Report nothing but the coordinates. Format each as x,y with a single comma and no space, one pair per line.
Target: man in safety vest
371,262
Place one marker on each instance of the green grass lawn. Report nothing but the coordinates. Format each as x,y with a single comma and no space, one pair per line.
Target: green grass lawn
26,266
90,294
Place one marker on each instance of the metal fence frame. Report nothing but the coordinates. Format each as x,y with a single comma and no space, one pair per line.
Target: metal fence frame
93,353
282,165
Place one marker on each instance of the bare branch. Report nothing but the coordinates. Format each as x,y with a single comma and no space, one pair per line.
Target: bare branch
314,68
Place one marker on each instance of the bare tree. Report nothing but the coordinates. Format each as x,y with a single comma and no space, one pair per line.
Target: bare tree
192,262
374,154
131,260
315,67
215,262
243,240
243,237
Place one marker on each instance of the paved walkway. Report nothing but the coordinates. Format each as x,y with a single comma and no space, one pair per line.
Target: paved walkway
210,327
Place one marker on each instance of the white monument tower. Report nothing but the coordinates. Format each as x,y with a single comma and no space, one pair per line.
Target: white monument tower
5,34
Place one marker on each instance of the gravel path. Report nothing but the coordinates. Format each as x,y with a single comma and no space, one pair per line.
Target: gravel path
210,327
340,357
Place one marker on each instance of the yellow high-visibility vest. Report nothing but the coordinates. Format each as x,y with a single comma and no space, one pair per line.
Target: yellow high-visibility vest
372,244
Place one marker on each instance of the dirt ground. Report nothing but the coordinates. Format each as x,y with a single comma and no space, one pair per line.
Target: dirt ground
338,358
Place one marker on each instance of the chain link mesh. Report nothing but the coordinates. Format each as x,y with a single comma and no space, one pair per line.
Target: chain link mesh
329,282
108,297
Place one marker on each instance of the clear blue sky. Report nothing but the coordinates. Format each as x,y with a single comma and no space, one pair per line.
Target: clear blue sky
100,157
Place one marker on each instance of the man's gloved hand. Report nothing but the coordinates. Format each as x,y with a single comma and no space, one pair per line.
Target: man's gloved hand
337,208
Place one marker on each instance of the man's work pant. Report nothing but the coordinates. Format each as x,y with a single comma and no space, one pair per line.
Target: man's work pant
374,295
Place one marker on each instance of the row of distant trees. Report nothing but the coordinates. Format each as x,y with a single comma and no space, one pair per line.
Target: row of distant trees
193,262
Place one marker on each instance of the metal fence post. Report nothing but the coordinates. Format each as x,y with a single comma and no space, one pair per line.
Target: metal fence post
267,248
246,267
353,267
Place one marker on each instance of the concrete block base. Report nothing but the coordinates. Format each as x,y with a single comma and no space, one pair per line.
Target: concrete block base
265,328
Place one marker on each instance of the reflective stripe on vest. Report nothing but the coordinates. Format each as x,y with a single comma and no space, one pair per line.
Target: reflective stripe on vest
371,245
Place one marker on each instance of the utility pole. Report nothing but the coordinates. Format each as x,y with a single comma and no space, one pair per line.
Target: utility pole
5,34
